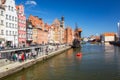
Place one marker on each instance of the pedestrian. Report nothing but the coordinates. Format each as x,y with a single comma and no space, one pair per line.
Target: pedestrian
23,56
19,56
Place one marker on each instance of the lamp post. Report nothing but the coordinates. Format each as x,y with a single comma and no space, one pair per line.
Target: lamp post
118,31
14,41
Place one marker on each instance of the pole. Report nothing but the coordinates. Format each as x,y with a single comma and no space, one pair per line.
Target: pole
14,45
118,31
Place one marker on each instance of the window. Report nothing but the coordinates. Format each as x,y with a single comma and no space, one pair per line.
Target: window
13,32
6,32
1,22
6,24
11,8
16,19
12,18
9,17
2,13
2,32
6,16
13,25
10,33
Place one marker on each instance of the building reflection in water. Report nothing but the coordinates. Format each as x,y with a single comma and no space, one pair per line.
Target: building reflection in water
109,53
69,53
112,55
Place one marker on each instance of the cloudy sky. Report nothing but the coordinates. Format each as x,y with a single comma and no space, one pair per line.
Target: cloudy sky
93,16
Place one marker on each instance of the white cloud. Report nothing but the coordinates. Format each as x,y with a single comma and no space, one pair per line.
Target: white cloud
31,2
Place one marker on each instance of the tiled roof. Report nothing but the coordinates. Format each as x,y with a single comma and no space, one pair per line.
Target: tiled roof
35,21
109,34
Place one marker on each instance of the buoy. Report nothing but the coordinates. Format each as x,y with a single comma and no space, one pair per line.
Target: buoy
79,54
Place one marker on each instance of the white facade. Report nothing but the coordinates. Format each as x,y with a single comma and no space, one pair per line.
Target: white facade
108,38
11,23
51,35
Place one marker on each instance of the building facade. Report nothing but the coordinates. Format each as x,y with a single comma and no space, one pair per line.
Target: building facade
29,33
11,24
68,36
107,37
59,30
21,25
2,22
40,35
51,34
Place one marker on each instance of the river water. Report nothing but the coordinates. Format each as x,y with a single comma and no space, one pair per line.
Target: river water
98,62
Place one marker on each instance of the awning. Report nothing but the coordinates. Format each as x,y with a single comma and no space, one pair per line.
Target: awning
51,41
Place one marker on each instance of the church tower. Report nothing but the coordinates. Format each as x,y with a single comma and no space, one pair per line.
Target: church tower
62,22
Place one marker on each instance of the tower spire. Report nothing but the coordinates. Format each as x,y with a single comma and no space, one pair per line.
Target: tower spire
76,26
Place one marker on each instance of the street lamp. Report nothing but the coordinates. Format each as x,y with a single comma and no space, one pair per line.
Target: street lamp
118,30
14,41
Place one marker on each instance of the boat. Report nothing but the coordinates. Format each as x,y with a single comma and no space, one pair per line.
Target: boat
76,44
79,54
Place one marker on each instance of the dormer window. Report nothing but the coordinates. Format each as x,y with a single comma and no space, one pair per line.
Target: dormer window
8,7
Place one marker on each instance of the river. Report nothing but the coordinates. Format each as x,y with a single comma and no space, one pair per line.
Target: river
98,62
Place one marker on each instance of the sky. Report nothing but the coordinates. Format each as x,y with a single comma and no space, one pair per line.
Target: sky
94,17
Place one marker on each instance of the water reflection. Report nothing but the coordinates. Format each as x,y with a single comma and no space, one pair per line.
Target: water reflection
109,53
109,48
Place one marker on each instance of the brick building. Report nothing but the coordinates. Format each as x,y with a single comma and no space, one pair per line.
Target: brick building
68,38
40,35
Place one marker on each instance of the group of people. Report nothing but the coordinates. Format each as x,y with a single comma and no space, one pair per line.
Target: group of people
22,56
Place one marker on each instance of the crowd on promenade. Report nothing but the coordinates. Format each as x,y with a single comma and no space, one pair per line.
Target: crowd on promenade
23,55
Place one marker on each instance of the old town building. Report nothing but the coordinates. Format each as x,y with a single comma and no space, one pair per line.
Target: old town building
40,33
21,25
51,34
2,22
11,23
59,30
107,37
68,36
77,33
29,33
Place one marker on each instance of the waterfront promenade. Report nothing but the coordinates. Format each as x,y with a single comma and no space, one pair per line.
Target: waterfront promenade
15,66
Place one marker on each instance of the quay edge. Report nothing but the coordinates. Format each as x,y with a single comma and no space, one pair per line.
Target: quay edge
17,66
